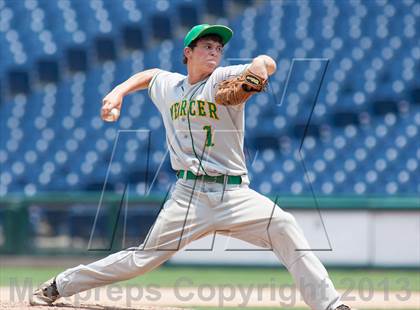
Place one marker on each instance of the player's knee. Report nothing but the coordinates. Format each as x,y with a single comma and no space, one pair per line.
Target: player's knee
282,223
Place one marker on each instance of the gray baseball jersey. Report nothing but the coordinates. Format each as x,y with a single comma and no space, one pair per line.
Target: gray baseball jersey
196,127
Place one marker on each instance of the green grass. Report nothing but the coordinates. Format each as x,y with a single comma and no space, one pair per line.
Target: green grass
168,276
269,308
249,308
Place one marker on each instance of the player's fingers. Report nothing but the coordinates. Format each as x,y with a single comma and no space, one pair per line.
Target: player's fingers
105,108
104,112
106,103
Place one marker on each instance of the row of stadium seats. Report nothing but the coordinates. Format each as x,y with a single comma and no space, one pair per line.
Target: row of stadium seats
363,131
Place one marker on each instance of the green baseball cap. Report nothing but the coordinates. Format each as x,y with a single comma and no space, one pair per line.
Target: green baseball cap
200,30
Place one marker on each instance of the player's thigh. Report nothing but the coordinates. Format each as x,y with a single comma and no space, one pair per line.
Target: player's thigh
178,223
249,214
245,206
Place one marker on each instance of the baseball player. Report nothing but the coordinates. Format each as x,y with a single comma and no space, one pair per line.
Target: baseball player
203,114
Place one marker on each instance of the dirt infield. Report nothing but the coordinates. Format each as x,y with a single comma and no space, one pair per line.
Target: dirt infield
168,298
84,306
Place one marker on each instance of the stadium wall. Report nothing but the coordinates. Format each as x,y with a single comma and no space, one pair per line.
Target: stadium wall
349,231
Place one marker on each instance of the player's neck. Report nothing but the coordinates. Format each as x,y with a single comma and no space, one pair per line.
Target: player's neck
195,76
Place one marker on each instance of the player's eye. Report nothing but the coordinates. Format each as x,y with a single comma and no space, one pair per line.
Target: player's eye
209,47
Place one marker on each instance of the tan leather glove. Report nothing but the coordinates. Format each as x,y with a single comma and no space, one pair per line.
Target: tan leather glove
237,90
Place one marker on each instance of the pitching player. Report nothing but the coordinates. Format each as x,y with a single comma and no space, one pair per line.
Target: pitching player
203,114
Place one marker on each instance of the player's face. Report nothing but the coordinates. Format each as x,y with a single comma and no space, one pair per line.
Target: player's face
206,55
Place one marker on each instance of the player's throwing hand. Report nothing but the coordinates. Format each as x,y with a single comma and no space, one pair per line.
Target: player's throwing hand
111,106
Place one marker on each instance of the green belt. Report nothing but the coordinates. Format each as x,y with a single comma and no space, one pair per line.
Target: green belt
231,179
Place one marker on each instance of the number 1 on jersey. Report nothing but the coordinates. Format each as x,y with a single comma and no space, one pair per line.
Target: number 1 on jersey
209,135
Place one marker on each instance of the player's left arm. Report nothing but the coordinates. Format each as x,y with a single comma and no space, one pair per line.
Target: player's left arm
263,66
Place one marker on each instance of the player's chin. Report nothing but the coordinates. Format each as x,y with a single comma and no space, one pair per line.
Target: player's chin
211,66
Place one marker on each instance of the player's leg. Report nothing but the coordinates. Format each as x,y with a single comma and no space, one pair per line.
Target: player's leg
254,218
177,225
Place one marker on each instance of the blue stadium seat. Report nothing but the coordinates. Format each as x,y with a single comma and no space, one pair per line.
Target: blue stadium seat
365,118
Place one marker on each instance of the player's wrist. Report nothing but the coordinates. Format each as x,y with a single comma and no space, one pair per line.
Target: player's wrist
258,67
270,64
264,65
119,90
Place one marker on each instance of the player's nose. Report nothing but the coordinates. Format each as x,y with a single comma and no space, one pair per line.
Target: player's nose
213,52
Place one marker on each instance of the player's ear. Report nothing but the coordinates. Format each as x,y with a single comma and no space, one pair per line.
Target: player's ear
187,52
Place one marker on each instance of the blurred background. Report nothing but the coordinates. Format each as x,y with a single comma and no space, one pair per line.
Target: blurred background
71,184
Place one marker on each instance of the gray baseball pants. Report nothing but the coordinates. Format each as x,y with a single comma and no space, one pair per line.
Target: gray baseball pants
190,214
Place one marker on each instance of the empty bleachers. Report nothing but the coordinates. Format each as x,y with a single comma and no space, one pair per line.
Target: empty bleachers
60,58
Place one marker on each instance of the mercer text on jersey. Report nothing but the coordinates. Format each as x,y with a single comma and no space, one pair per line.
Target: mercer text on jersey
195,108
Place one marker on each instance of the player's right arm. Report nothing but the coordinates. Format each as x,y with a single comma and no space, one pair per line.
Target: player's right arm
114,98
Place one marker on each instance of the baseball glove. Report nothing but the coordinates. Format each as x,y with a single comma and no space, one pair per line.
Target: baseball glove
237,90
